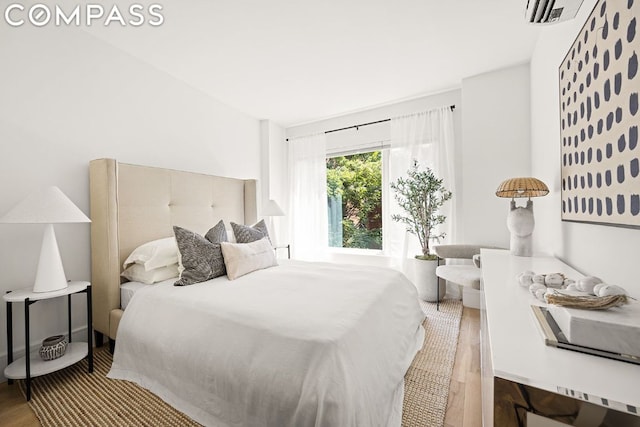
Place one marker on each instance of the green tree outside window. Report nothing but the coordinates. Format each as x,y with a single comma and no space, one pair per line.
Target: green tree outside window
354,192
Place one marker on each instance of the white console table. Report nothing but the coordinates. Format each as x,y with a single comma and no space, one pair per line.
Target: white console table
512,349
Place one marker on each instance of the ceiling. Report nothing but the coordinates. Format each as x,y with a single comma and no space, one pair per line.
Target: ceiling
295,61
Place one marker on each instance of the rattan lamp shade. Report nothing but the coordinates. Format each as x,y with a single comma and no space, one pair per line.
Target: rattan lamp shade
522,187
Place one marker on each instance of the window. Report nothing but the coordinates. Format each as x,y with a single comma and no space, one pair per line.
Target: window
354,197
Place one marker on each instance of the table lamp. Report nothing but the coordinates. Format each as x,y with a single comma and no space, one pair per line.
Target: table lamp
272,209
49,207
520,220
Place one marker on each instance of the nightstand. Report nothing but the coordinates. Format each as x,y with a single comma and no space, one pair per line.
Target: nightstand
33,366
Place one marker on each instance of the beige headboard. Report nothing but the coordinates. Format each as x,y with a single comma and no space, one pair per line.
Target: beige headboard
131,205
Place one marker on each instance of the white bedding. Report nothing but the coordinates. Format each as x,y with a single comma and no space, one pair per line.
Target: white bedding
300,344
127,290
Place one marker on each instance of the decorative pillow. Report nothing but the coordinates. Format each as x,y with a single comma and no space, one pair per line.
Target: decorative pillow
217,234
137,273
154,254
243,258
201,259
230,236
248,234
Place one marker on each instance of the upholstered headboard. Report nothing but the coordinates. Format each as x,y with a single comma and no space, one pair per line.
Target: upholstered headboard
131,205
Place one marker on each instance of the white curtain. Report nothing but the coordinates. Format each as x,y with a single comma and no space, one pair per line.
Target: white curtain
308,223
428,138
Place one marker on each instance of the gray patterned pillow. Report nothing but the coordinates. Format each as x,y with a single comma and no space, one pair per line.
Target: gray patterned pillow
201,259
248,234
217,233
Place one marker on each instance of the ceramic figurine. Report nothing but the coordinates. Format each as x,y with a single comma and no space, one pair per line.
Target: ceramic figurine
554,280
520,223
534,288
610,290
596,288
572,287
540,294
586,284
538,278
526,278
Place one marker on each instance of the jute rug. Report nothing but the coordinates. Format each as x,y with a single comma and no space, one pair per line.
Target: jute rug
426,383
71,397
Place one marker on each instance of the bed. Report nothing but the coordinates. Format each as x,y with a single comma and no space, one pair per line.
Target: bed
299,344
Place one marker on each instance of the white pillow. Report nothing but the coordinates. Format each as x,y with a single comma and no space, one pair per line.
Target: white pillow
230,236
243,258
154,254
137,273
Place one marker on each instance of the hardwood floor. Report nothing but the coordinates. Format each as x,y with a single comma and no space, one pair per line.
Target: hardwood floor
463,408
14,410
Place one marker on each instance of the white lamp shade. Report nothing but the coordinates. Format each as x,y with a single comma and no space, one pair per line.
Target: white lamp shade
49,206
272,209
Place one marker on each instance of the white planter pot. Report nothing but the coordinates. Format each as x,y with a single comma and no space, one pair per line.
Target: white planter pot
426,280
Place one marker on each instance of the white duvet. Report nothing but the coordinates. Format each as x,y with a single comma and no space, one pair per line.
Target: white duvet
300,344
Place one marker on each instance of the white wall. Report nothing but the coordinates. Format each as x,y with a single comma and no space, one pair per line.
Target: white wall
67,98
274,177
610,253
495,146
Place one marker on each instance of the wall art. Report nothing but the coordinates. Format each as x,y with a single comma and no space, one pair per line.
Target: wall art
599,118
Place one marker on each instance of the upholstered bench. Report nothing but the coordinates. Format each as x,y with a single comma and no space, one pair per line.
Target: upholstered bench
466,275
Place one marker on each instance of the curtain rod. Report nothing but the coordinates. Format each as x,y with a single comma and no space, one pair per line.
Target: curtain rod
366,124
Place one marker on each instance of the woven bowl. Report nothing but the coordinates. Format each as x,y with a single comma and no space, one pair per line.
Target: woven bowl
53,347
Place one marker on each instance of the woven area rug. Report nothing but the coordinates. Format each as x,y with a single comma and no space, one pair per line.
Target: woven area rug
426,383
71,397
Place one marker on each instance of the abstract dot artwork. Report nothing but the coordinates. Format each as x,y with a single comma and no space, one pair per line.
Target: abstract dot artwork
618,83
620,204
620,174
599,116
633,168
622,143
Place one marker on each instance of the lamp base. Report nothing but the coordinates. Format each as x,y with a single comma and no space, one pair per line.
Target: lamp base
521,246
50,274
520,223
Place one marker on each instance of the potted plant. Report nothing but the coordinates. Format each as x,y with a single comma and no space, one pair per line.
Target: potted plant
421,195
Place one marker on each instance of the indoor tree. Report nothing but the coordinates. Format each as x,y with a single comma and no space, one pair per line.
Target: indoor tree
421,195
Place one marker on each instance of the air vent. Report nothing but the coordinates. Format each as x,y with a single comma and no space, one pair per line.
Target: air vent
551,11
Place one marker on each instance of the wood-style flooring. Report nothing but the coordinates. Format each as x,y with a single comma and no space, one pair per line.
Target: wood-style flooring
463,408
